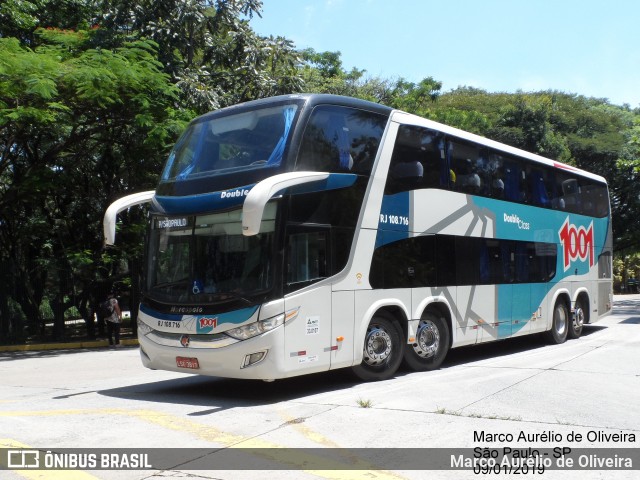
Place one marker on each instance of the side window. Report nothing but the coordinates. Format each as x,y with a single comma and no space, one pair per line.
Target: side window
314,253
595,199
580,195
307,257
493,262
539,186
468,168
418,160
604,264
447,260
496,175
340,139
404,264
567,191
471,261
514,179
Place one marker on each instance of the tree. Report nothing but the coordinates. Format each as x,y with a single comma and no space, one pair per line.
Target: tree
625,197
79,127
208,48
92,95
526,123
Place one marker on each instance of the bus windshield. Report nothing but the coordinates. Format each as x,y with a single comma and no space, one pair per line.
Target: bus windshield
206,259
225,143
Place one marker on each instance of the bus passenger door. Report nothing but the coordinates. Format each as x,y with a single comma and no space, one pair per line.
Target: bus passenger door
308,335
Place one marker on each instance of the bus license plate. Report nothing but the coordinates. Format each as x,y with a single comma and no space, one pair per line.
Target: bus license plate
187,362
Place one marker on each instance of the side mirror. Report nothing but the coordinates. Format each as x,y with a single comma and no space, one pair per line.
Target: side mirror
262,192
109,222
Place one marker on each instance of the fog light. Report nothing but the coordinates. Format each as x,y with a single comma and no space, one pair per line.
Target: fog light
254,358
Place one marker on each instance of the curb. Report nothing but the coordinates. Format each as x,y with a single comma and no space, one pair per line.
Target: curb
66,345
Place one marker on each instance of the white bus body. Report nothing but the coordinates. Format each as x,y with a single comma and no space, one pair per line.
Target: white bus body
360,236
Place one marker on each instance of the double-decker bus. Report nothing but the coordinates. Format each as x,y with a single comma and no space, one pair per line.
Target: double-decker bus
304,233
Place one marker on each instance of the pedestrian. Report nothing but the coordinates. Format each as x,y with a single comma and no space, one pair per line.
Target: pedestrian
113,315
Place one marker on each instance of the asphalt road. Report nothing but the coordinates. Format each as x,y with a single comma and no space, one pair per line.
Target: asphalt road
522,393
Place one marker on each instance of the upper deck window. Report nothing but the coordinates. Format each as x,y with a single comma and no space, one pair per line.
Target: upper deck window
223,144
427,158
341,139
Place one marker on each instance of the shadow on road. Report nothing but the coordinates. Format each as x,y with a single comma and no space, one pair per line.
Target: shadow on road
632,320
475,353
219,394
63,352
223,393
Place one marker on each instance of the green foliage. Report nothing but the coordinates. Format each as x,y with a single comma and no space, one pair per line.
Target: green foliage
79,125
18,16
416,98
208,48
325,64
626,268
46,312
469,120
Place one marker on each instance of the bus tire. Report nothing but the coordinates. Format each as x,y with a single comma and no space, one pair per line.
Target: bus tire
577,319
431,344
560,323
382,352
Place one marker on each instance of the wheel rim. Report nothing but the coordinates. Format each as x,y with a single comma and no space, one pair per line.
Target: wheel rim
377,346
427,339
560,320
578,318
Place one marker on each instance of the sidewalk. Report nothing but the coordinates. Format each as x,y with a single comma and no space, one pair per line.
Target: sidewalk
66,345
126,339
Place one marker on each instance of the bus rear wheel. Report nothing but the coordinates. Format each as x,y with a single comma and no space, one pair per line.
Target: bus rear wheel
382,352
577,319
560,323
430,346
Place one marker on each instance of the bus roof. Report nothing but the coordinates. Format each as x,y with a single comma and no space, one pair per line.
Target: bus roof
312,99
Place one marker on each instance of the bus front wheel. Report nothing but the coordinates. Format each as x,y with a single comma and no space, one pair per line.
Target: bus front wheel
560,323
430,346
382,352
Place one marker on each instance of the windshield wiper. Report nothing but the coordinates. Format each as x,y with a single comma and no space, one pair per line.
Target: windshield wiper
177,283
225,296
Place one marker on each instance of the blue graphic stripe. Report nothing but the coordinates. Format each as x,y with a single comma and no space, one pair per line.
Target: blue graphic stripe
518,302
206,202
393,224
335,181
235,317
160,316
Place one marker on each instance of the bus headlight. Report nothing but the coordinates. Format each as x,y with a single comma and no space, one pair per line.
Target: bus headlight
143,328
256,328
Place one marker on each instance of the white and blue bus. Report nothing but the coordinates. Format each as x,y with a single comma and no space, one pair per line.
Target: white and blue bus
304,233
